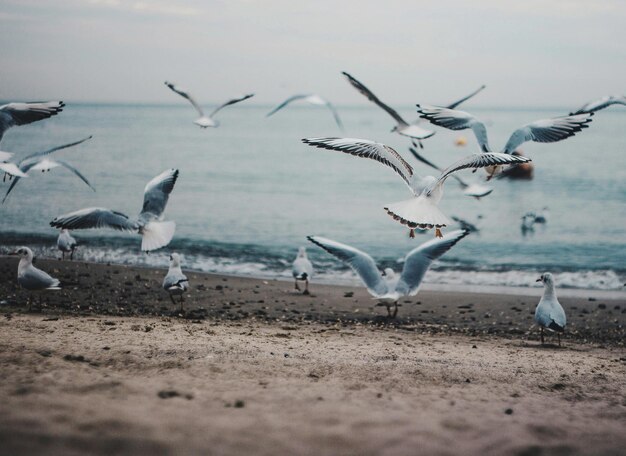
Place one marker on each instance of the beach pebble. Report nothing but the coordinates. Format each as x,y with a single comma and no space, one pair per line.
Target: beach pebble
509,411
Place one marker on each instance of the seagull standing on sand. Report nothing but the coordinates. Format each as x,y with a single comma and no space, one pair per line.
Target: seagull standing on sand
543,131
313,99
40,161
549,313
205,121
175,282
155,232
421,211
33,279
66,244
14,114
403,127
601,103
389,288
302,269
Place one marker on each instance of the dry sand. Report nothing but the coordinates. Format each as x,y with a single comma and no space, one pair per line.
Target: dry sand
107,366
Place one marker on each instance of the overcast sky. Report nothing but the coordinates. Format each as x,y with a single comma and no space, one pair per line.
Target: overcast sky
529,53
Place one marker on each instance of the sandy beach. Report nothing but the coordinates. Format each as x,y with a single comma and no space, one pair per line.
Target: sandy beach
109,365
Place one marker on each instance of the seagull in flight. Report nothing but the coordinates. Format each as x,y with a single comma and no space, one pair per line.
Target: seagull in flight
475,190
402,127
387,287
41,161
205,121
600,103
8,168
15,114
421,211
155,232
313,99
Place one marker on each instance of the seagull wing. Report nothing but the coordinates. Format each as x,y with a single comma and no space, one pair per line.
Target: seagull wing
374,99
418,260
600,103
12,169
231,102
464,99
95,217
548,130
183,93
23,169
285,103
24,113
481,160
335,114
455,120
75,171
359,261
157,192
54,149
366,149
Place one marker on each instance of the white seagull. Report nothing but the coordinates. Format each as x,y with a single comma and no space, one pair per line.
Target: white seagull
474,190
14,114
41,161
402,127
8,168
175,282
421,211
30,278
313,99
155,232
302,269
543,131
549,313
205,121
66,244
389,288
600,103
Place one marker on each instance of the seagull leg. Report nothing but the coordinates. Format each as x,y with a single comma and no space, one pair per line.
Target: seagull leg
306,287
172,298
412,233
182,300
72,255
559,336
542,335
438,233
421,144
388,310
395,310
297,287
62,255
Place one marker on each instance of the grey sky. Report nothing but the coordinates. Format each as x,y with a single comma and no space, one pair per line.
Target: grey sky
529,53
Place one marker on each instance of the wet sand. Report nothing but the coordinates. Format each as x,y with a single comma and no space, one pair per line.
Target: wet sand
110,365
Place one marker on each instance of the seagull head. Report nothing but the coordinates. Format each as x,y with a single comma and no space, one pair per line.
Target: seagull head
23,252
302,252
175,259
389,273
546,278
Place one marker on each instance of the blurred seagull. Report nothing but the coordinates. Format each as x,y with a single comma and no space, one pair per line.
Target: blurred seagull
465,225
41,162
544,131
14,114
313,99
402,127
549,313
475,190
155,232
389,288
421,211
302,269
175,282
600,103
66,244
30,278
205,121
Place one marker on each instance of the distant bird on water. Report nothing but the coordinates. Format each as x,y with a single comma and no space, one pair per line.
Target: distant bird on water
421,211
40,161
302,270
66,244
30,278
175,282
600,103
155,232
15,114
387,287
403,127
313,99
549,313
205,121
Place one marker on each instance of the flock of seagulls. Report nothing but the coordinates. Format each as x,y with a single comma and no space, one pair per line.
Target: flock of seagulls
419,212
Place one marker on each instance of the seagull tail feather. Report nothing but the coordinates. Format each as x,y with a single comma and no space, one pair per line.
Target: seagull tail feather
156,235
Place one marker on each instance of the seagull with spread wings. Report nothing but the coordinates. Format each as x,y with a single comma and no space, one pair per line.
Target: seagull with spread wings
155,232
313,99
15,114
41,161
600,103
388,288
543,131
402,127
421,211
205,121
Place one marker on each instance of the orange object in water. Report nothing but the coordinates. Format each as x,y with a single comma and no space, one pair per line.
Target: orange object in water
460,141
